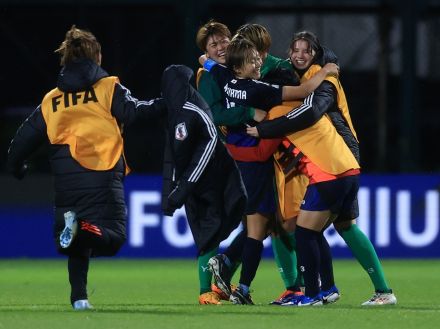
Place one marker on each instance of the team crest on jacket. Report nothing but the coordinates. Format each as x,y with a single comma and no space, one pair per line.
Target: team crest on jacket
181,132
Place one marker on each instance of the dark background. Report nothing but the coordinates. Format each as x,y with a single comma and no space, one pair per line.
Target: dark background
389,52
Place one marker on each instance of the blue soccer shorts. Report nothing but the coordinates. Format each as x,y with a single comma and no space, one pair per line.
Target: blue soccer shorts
339,196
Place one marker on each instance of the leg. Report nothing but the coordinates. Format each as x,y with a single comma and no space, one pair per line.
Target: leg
329,292
326,269
205,277
224,265
364,252
285,258
253,248
78,267
235,250
308,233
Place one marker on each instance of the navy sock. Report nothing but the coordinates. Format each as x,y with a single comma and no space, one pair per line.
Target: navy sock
326,271
307,252
251,259
235,249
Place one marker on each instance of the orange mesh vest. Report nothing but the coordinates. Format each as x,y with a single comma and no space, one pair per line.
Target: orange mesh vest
291,189
341,99
83,120
320,142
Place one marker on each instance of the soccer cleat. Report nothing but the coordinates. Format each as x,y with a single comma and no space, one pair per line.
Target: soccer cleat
220,293
287,296
209,298
221,272
239,298
293,300
381,298
70,229
82,304
309,301
331,295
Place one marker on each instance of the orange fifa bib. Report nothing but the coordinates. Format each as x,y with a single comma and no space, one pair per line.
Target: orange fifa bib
83,120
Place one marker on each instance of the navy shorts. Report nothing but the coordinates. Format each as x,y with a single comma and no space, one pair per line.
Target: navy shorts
258,180
339,196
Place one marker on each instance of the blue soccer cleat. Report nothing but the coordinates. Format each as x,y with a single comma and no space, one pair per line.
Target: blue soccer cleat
331,295
310,301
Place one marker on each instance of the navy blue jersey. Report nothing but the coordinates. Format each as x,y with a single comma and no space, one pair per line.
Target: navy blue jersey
243,92
246,92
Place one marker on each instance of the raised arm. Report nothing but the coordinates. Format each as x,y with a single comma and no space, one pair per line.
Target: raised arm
291,93
127,109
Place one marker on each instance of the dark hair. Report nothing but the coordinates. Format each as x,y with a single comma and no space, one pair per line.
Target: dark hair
311,39
79,44
209,29
239,52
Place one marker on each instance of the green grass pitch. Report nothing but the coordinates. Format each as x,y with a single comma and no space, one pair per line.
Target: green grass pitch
163,294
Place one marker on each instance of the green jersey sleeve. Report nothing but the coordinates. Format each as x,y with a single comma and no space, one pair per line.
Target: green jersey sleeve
272,62
211,92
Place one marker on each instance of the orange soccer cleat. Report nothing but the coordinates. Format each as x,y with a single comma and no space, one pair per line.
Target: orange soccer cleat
209,298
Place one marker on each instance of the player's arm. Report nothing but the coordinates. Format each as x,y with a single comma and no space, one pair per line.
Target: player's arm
291,93
29,136
202,127
301,117
209,88
223,116
127,109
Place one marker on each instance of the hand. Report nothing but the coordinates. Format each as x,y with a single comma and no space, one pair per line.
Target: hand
259,115
202,59
175,199
169,211
331,69
171,204
253,131
20,172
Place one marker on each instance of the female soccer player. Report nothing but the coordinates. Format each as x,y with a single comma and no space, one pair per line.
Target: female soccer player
242,88
306,50
81,120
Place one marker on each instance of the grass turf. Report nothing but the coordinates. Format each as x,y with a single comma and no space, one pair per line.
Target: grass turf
163,294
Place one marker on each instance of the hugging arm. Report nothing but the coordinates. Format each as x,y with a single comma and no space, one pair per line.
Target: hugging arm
303,116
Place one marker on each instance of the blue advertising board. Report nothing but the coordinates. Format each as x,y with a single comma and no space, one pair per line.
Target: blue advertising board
399,213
